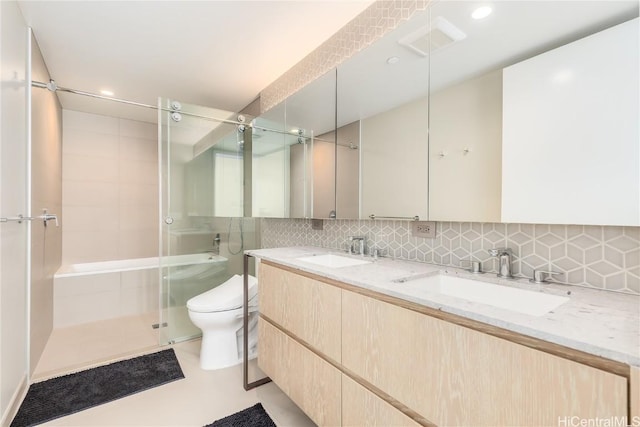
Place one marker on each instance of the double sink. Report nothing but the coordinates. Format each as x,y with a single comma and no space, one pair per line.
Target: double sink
510,298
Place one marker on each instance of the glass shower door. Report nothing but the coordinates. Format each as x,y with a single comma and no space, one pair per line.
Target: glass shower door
203,232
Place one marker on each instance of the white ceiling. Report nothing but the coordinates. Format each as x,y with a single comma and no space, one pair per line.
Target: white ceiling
214,53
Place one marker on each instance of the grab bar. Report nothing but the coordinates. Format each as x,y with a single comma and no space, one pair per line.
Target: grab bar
413,218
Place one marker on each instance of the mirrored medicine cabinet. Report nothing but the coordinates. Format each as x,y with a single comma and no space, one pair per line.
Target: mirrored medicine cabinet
509,118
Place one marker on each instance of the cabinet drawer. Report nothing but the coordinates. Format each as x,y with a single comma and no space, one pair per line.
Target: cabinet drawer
452,375
312,383
360,407
309,309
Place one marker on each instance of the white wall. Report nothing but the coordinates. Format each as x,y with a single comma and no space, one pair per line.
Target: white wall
46,193
466,186
270,184
109,188
13,200
395,171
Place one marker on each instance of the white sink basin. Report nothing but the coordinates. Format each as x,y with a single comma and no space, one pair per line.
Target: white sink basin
508,298
333,261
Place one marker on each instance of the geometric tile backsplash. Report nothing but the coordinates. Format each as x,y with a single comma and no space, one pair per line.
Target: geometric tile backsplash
604,257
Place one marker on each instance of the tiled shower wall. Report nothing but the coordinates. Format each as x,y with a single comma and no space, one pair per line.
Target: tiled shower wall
596,256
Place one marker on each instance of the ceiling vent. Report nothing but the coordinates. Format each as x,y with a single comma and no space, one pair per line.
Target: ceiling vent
425,40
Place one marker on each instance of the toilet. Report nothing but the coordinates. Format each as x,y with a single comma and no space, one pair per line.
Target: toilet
218,313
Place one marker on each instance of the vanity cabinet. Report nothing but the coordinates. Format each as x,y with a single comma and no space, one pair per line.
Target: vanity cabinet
360,407
350,356
453,375
311,382
634,393
307,308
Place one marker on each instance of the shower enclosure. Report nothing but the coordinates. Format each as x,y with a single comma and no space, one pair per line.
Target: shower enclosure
205,206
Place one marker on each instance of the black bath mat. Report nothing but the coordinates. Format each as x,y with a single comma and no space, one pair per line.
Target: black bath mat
72,393
255,416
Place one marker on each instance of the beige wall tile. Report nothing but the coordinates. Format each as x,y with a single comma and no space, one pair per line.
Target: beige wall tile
90,218
144,149
93,122
89,246
110,184
78,167
135,129
90,143
89,193
139,195
138,218
138,172
137,244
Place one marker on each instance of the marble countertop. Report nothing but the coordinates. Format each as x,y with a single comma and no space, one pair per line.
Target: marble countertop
602,323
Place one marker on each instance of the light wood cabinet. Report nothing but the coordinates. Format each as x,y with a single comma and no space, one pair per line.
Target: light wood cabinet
634,394
360,407
312,383
308,308
452,375
350,356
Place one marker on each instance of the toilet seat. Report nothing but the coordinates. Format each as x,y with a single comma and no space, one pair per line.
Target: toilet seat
225,297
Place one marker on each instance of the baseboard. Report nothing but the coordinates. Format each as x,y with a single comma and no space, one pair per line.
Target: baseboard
15,402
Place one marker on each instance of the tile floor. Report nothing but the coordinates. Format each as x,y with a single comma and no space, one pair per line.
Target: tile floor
76,347
199,399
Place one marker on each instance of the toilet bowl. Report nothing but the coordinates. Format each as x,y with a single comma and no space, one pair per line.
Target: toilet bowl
218,313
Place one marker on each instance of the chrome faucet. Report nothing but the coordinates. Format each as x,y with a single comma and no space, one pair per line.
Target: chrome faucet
216,246
504,259
357,245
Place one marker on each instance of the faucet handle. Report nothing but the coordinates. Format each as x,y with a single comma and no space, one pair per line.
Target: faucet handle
361,245
474,266
542,276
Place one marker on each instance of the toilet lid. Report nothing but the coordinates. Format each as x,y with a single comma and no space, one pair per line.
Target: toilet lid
227,296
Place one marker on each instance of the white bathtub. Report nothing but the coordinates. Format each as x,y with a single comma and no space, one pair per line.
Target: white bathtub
136,264
94,291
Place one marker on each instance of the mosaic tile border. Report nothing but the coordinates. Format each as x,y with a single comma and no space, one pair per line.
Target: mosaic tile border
374,22
602,257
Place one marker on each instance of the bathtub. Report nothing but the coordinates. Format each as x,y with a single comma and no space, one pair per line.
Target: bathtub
94,291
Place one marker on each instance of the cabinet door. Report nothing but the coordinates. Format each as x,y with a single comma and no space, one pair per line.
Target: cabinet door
634,393
360,407
307,308
570,152
452,375
312,383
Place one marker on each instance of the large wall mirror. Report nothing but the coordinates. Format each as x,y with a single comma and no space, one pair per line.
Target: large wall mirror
534,112
294,154
528,114
382,143
531,113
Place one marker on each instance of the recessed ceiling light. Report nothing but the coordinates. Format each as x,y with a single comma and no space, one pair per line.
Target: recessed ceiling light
106,92
481,12
393,60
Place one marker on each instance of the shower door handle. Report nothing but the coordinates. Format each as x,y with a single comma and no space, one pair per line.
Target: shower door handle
17,219
168,220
